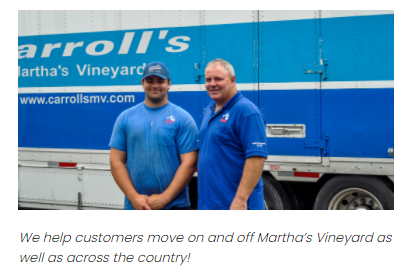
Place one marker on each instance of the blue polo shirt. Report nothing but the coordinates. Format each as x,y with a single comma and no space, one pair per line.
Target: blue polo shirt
227,138
153,151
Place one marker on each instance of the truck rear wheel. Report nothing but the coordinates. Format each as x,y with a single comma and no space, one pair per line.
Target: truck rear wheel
274,194
354,193
296,201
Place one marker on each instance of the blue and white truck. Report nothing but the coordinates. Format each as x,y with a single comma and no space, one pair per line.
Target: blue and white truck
324,81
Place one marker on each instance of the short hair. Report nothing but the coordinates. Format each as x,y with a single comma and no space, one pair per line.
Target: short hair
225,65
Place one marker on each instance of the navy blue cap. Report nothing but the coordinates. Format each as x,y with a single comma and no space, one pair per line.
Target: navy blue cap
156,69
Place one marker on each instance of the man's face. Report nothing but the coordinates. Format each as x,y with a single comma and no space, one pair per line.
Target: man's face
155,88
218,84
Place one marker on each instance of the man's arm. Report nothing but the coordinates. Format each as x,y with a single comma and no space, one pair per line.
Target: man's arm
181,179
250,177
121,176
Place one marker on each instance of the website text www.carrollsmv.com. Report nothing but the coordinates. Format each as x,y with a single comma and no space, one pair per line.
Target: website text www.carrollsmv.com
77,99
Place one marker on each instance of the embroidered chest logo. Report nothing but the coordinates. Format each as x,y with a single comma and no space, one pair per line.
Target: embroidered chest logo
225,118
170,119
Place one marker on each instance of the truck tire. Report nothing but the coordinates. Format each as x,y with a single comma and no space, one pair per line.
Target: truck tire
274,195
296,201
354,193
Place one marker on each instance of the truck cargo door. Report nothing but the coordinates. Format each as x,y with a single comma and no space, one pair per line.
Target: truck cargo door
289,84
358,94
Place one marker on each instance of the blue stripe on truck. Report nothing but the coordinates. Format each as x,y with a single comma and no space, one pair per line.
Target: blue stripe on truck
359,126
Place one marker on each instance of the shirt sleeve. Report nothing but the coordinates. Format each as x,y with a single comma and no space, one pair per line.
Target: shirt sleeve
119,135
188,137
251,133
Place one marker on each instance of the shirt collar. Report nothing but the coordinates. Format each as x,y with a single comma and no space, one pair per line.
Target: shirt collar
230,102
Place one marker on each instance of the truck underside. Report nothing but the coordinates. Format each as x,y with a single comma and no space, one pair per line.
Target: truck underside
83,180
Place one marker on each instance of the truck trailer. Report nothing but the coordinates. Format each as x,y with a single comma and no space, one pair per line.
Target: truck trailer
323,80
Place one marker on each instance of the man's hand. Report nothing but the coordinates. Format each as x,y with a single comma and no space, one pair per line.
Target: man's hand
250,177
182,177
239,204
140,202
157,201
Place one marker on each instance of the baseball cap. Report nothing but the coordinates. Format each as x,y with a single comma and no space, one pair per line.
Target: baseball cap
156,69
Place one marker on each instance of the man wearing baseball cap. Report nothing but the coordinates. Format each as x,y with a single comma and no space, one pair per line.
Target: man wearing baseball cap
154,148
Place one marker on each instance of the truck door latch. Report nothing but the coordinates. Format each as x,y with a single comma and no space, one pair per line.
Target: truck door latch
319,69
199,72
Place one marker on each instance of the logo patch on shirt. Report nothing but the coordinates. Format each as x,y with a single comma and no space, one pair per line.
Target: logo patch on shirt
225,118
170,119
258,144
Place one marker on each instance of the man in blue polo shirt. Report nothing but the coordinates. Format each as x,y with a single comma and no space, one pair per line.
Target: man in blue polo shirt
154,148
232,146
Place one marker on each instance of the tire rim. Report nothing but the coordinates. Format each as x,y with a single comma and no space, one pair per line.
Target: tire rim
355,199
